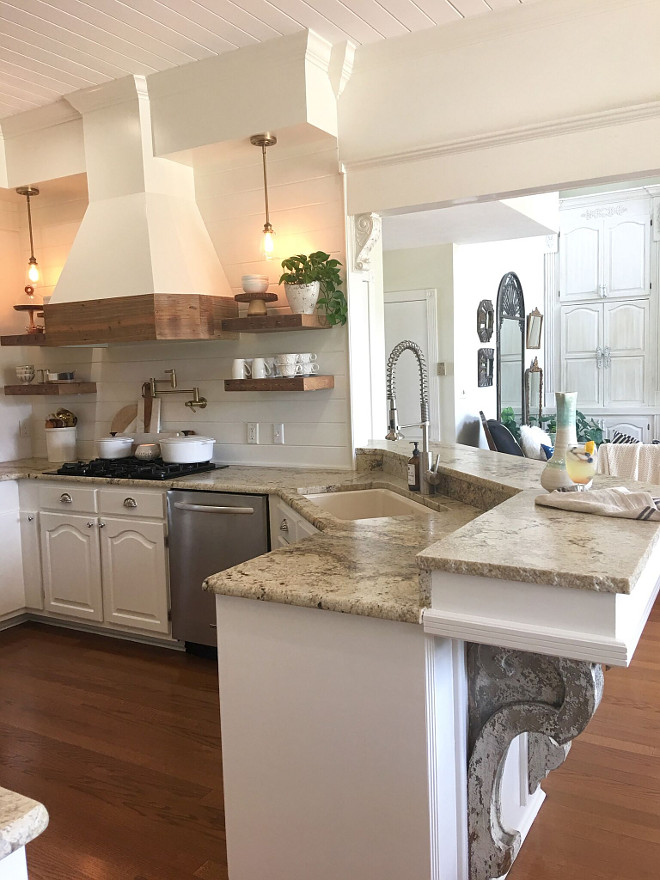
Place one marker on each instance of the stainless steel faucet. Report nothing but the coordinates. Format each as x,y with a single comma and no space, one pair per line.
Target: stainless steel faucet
425,486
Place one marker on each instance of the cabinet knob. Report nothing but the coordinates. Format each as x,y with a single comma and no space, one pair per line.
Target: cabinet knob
130,502
284,526
90,524
65,498
30,518
101,525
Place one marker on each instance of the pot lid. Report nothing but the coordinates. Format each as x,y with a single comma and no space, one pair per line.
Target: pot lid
120,438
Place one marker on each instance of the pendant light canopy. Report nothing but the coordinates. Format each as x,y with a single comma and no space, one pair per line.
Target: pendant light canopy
264,140
33,267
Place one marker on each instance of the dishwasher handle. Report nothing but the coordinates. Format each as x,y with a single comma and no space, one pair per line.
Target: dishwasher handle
210,508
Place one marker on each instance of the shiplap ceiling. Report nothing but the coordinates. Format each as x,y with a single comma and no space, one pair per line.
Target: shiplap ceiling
48,49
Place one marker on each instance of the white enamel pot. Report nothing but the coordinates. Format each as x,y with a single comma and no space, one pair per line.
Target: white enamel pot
186,450
114,447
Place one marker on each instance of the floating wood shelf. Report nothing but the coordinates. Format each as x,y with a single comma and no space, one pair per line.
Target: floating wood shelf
24,339
275,323
52,388
281,383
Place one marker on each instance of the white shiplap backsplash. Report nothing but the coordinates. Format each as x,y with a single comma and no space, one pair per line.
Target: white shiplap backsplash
307,211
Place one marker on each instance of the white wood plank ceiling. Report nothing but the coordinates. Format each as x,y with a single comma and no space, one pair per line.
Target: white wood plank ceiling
48,49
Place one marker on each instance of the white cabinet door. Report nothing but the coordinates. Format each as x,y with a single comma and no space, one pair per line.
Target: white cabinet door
580,255
626,257
581,341
12,592
604,250
70,565
31,553
637,426
133,563
626,335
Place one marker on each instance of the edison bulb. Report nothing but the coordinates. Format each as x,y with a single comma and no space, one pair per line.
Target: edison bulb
33,272
268,244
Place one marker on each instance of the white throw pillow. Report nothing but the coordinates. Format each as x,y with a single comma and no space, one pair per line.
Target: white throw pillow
531,439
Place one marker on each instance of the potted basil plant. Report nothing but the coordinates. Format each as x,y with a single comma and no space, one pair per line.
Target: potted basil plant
311,280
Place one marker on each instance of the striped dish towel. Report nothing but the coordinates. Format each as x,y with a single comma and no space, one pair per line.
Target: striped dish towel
605,502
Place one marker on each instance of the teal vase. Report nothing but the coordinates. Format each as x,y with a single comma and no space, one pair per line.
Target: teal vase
554,474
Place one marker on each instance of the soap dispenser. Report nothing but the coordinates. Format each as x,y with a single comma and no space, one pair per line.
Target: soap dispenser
413,469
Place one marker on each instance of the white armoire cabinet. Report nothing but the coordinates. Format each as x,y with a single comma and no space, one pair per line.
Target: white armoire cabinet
605,310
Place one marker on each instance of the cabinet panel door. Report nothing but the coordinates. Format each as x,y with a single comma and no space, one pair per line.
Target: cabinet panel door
580,256
624,381
637,426
626,340
582,330
70,565
626,327
584,376
12,591
627,251
133,562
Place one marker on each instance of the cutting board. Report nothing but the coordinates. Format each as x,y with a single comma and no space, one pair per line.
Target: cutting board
148,415
124,419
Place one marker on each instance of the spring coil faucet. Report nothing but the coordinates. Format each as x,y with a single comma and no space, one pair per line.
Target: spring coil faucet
394,433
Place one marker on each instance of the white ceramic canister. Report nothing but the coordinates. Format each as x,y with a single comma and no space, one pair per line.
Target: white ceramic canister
61,444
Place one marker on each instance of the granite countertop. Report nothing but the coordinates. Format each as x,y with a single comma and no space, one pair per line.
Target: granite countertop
21,820
484,523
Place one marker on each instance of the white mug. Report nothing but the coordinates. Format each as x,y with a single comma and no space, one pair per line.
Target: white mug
240,369
290,370
307,358
309,369
286,359
261,368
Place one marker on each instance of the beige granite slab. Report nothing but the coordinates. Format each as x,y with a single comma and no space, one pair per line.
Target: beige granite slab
21,820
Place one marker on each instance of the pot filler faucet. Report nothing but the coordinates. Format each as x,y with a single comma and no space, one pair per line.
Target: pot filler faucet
150,389
427,482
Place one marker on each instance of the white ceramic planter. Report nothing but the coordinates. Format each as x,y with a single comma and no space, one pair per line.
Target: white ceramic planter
302,298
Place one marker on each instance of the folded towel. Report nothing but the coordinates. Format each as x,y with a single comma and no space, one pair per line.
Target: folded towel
648,469
620,460
605,502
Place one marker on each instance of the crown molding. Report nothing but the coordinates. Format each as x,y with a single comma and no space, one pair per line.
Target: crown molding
41,118
553,128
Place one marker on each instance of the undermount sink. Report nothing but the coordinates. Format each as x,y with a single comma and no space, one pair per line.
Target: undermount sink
368,504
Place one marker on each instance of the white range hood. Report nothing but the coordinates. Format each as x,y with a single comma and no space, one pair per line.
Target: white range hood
142,265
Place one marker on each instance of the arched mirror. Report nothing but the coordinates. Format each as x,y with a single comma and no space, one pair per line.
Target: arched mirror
510,346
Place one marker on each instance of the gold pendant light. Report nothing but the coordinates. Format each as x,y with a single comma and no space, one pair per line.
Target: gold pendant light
33,267
266,139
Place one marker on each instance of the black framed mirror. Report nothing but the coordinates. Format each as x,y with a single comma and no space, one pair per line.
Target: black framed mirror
533,393
510,324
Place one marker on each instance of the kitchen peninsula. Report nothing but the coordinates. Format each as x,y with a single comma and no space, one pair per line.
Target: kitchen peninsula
350,705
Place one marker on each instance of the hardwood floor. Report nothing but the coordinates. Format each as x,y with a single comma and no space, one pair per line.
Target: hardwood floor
122,743
601,817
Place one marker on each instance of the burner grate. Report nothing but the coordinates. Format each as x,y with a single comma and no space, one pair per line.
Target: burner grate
134,469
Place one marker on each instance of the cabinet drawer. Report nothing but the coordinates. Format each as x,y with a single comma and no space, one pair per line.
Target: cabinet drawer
64,497
129,502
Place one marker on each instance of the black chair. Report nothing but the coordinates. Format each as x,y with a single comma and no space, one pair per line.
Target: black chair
503,438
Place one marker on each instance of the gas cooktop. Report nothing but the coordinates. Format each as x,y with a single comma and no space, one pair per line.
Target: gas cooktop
133,469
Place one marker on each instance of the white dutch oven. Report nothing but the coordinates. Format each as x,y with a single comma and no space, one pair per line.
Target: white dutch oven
114,447
184,450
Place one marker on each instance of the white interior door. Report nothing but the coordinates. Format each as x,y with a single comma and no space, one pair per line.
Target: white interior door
412,314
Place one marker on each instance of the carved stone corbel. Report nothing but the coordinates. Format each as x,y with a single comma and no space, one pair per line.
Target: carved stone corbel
513,692
367,230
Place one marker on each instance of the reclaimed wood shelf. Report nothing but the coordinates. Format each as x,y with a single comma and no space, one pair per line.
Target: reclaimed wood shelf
52,388
24,339
275,323
281,383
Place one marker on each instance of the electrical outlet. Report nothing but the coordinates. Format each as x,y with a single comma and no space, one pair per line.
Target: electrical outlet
278,433
25,428
252,432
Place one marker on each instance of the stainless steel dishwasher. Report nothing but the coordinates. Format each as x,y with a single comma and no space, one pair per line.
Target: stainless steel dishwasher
208,532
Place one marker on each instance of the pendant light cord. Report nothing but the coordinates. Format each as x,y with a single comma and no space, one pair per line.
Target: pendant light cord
263,153
29,213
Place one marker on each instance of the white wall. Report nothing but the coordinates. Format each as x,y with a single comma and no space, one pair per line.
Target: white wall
430,267
478,270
